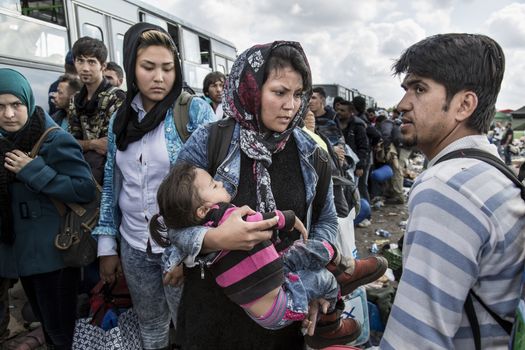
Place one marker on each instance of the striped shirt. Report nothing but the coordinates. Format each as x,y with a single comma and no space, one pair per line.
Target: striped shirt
466,231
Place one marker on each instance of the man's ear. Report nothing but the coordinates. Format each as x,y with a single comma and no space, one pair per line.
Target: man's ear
467,103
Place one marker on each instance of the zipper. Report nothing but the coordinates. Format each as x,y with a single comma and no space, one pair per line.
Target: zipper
204,264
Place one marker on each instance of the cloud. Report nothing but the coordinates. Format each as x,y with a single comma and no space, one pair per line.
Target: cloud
354,43
508,25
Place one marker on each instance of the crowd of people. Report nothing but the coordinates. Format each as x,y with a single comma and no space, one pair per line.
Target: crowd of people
242,250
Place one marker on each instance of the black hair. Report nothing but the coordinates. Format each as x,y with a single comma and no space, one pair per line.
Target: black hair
472,62
87,47
72,81
178,201
350,105
288,56
337,99
210,79
116,68
320,91
359,103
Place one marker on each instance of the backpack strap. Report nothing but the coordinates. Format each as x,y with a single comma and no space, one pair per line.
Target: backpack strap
181,114
219,138
469,305
487,158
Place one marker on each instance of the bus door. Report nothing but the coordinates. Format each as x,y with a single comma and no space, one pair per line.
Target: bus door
91,23
118,29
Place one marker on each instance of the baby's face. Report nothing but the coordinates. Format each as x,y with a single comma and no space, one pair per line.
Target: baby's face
210,191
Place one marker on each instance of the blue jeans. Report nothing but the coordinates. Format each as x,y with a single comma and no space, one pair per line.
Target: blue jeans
53,298
153,302
308,260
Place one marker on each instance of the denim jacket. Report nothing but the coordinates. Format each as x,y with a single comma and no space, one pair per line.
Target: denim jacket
187,243
110,216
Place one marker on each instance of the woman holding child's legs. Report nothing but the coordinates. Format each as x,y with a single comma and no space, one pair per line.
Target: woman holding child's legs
269,165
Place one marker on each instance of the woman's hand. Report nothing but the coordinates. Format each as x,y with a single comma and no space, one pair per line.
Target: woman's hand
16,160
110,268
313,310
300,227
174,277
237,234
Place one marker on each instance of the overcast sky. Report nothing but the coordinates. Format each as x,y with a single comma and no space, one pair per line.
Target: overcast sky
353,43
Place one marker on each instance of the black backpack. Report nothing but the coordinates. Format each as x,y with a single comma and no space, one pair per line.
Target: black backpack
469,306
219,138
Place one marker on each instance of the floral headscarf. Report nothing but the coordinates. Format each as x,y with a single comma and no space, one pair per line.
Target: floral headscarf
242,101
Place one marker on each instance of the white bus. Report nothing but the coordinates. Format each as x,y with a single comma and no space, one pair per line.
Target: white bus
37,34
333,90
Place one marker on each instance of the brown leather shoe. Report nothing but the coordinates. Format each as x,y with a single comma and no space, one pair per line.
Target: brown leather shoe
351,273
331,329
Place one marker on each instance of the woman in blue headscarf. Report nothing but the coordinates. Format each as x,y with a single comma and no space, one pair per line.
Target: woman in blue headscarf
29,221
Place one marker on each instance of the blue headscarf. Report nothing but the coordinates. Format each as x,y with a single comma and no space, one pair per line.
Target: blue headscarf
14,83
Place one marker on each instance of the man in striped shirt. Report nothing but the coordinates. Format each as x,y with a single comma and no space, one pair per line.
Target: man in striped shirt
467,220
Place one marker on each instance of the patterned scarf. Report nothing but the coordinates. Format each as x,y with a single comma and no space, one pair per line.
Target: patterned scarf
242,101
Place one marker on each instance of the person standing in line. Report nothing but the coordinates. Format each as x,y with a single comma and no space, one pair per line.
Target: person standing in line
69,68
29,219
114,74
89,113
506,141
68,86
213,87
464,238
143,143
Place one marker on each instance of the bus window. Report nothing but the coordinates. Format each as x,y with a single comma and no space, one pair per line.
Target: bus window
28,40
51,11
204,46
119,44
192,50
173,31
11,5
92,31
220,64
146,17
230,65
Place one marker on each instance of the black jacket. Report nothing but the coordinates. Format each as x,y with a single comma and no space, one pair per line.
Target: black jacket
355,137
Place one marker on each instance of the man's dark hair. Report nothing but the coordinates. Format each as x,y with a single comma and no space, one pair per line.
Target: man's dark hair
90,47
460,62
210,79
350,105
337,100
116,68
72,81
359,103
320,91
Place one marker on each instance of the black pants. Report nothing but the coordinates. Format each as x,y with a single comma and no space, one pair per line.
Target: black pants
5,284
53,298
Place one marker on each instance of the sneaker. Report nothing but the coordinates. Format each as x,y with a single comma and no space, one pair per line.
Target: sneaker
331,329
351,273
364,223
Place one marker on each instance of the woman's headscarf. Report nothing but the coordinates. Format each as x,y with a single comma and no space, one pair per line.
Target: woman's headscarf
127,127
14,83
242,101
